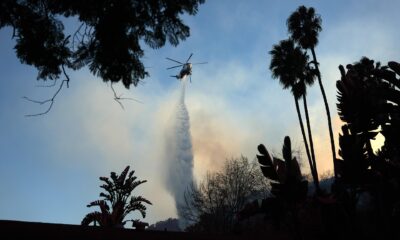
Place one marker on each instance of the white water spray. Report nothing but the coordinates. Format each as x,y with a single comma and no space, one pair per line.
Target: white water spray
179,155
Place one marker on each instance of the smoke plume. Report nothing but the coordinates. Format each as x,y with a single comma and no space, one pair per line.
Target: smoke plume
179,155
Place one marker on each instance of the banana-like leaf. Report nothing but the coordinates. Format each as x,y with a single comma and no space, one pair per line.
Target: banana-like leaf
296,172
280,167
395,66
287,150
266,165
122,177
92,217
117,193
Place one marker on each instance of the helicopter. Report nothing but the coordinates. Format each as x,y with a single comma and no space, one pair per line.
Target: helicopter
186,68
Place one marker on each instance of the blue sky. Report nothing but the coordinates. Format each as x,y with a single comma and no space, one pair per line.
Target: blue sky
50,165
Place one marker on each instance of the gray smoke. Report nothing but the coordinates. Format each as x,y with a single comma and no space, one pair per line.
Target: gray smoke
179,155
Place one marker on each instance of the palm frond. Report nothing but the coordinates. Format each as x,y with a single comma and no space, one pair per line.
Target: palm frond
139,199
304,26
102,204
92,217
267,167
122,177
116,199
136,206
288,63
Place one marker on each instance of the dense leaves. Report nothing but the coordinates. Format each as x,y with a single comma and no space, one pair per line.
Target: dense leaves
288,184
369,104
290,64
108,39
304,26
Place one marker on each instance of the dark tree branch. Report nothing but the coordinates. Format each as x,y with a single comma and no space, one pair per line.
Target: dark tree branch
51,100
81,35
14,34
48,86
75,37
119,98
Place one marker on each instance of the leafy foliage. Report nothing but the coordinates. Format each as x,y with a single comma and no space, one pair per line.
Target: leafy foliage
288,187
108,39
288,184
117,201
288,63
291,65
369,104
304,26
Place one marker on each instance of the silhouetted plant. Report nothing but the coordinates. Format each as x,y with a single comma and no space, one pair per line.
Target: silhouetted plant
117,201
288,186
304,26
108,40
212,205
290,64
288,183
369,103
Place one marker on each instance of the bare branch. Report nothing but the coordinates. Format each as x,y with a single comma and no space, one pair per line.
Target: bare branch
119,98
48,86
51,100
82,35
75,37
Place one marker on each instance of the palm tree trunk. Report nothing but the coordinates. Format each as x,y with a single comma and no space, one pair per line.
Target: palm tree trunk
328,115
311,144
305,139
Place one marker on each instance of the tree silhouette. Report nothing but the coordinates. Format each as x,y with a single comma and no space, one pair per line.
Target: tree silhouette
288,187
290,64
369,103
117,201
108,40
304,26
211,205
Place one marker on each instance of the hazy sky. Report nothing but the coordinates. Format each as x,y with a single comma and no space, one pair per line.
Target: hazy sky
50,165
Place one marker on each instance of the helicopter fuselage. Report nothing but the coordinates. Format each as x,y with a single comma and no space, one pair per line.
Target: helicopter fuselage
185,71
186,68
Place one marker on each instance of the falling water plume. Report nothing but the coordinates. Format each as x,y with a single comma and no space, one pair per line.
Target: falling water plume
179,153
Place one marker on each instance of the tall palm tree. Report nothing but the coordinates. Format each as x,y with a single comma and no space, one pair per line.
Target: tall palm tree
308,78
117,202
288,63
304,26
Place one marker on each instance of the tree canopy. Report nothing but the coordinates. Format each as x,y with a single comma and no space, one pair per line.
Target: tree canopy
109,39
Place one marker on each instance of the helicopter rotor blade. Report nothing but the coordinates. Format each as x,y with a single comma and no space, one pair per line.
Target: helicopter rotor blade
189,57
175,66
199,63
174,60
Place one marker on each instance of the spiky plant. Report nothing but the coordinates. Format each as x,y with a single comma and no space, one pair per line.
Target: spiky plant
117,201
288,183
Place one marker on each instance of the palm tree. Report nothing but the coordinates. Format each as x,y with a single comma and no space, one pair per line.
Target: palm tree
117,202
289,63
308,78
304,26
